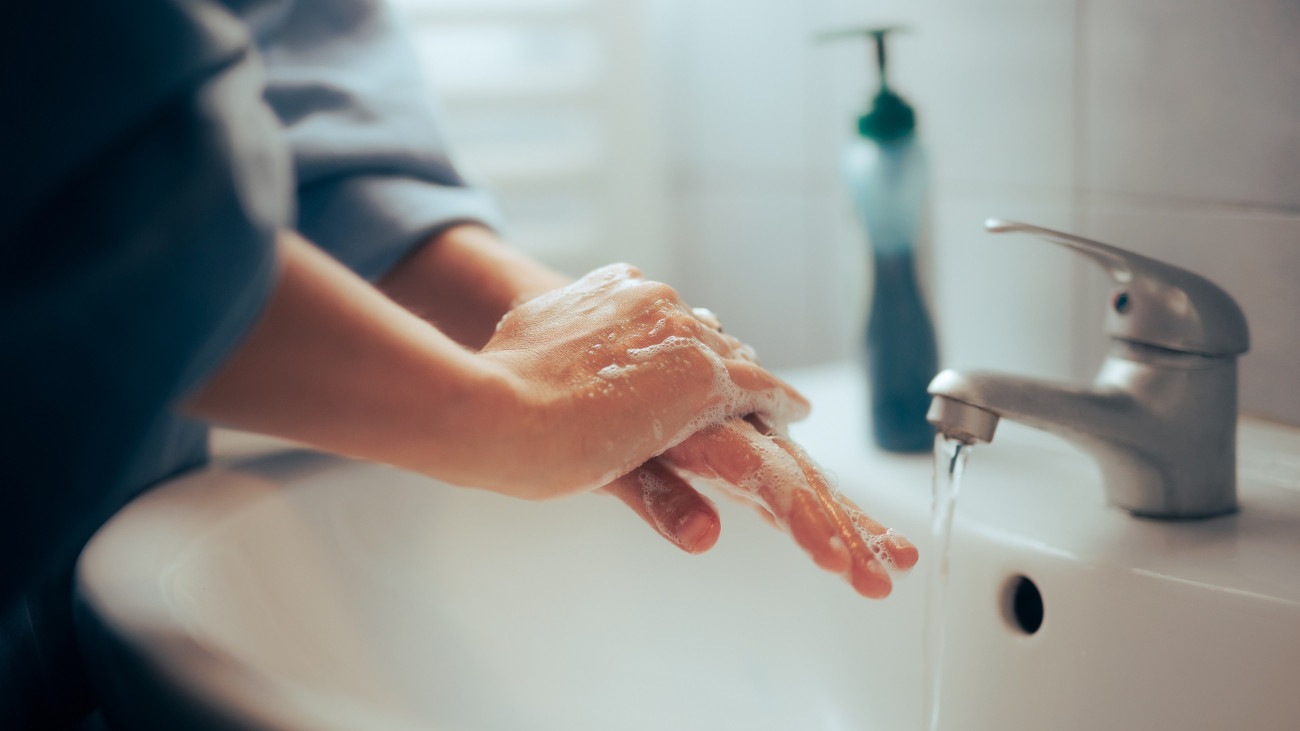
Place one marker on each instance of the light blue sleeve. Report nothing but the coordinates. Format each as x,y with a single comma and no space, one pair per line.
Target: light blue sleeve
374,174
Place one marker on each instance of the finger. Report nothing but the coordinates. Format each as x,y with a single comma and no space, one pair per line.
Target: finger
726,346
819,514
765,514
870,578
865,572
715,452
756,468
765,393
612,273
813,530
749,502
672,317
895,551
673,508
706,316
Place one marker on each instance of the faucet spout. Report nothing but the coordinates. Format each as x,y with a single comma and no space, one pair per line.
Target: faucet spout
959,420
1162,434
1070,412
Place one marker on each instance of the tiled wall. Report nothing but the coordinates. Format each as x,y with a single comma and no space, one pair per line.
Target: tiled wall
1192,154
1171,127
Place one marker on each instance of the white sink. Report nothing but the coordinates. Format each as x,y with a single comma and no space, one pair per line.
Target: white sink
280,589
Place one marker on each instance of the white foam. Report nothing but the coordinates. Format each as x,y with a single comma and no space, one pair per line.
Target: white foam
588,299
612,371
652,488
878,543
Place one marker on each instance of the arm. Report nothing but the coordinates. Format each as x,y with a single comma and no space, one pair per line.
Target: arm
375,179
465,279
374,174
542,412
334,364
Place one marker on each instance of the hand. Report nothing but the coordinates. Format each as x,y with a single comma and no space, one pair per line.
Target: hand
774,473
776,476
466,279
613,370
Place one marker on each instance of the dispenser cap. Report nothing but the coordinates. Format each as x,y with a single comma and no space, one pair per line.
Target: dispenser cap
890,116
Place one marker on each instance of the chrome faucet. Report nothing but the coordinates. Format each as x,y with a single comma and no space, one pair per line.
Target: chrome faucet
1161,416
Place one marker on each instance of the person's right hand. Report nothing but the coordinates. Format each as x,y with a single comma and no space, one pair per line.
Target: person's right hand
611,371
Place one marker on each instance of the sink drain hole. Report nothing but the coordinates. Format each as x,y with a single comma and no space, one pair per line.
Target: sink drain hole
1023,605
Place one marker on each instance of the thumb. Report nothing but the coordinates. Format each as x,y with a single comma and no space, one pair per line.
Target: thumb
669,505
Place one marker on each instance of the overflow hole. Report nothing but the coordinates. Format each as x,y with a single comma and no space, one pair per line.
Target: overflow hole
1023,605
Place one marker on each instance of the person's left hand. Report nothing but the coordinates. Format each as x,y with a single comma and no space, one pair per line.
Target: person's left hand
775,474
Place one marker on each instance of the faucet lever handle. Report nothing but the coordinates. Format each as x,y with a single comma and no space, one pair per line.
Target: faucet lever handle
1155,303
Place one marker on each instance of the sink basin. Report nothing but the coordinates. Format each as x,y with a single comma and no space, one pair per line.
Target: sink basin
282,589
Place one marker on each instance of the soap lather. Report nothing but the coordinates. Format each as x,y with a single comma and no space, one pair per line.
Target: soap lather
886,172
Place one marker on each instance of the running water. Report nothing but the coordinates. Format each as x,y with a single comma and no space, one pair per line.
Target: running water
949,462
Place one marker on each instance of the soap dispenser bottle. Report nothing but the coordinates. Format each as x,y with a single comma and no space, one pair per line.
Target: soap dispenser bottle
886,172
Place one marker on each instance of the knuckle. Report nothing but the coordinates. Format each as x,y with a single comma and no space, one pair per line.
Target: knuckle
656,290
630,270
680,323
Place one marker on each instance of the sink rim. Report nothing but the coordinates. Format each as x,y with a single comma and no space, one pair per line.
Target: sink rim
119,591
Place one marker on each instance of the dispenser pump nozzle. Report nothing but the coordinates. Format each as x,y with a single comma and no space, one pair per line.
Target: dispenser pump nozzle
890,116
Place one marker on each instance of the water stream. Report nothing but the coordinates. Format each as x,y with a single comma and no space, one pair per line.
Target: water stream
949,462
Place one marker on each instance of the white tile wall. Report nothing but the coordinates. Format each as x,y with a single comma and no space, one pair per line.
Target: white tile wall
1194,99
1172,126
992,82
1192,155
735,78
1004,302
1254,256
754,271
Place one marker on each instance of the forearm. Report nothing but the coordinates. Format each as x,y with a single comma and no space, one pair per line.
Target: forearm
464,280
335,364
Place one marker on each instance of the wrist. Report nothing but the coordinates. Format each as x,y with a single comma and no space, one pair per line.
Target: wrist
513,428
464,279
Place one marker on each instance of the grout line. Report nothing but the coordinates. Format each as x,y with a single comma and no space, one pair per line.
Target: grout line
1133,200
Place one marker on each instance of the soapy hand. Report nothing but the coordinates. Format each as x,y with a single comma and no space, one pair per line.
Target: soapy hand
749,459
743,460
613,370
614,354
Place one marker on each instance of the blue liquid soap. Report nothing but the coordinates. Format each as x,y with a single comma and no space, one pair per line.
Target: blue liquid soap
901,358
886,172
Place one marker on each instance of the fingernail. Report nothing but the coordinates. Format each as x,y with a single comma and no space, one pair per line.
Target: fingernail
692,530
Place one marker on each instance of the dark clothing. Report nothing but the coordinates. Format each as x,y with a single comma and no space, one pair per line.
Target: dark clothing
149,155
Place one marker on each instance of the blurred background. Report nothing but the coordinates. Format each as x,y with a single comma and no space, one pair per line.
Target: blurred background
700,139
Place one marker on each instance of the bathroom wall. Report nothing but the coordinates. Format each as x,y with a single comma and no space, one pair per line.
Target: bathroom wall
1171,127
